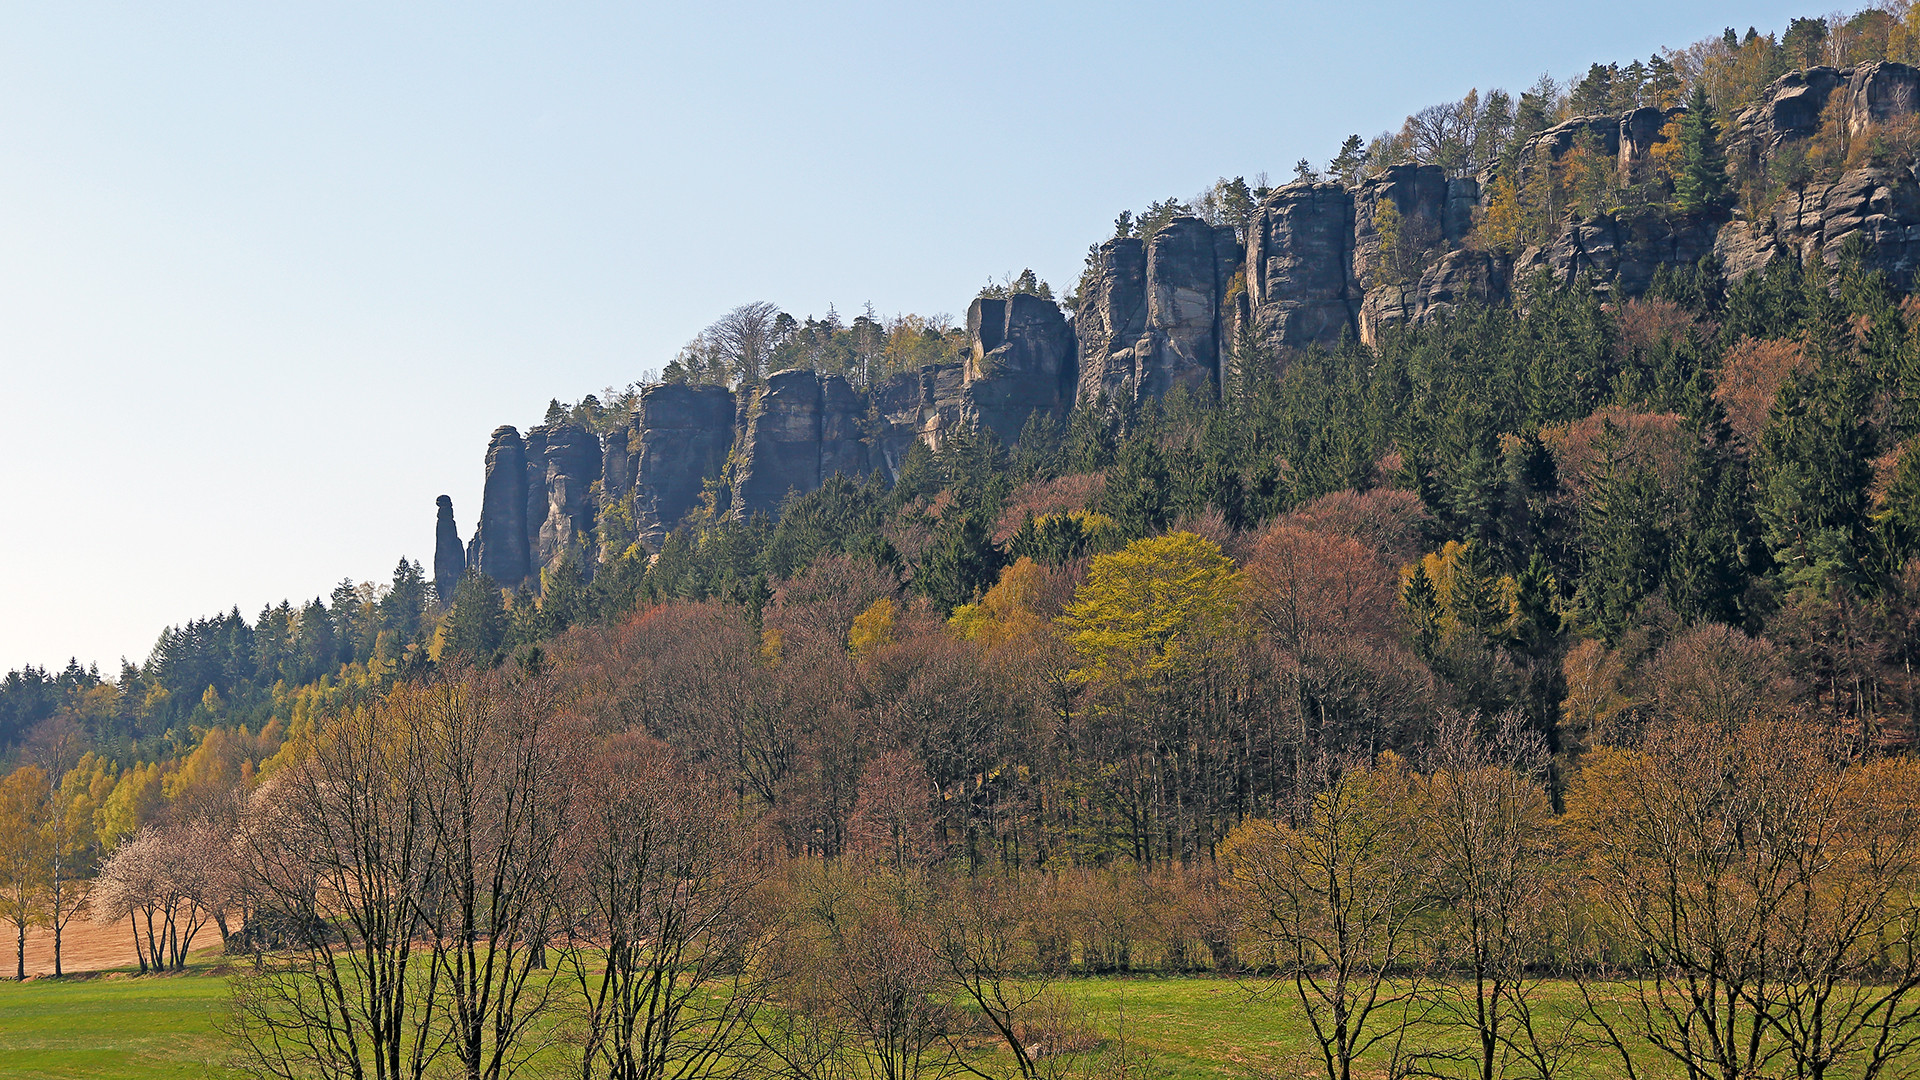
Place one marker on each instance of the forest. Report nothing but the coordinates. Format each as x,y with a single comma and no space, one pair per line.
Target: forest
1568,641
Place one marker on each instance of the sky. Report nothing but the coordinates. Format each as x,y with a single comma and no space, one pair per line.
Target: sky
271,273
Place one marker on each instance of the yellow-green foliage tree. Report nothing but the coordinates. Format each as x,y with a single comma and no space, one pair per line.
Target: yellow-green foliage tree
24,865
1155,628
1154,608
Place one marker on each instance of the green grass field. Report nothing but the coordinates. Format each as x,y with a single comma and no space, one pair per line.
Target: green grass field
151,1028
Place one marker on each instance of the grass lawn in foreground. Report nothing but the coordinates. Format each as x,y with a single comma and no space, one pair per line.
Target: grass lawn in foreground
156,1027
164,1028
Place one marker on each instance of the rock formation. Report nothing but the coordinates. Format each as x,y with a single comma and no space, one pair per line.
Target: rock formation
1299,265
1021,362
500,547
916,406
569,463
681,435
1315,262
1152,320
801,428
449,558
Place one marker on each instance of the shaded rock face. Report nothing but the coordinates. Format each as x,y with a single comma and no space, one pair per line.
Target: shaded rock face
1111,318
1795,103
1022,363
1628,139
500,547
1622,252
1455,278
569,463
1299,265
917,406
681,435
449,558
1152,319
1435,213
802,427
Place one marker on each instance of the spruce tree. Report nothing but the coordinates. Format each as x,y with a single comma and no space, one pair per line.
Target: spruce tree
477,626
1701,187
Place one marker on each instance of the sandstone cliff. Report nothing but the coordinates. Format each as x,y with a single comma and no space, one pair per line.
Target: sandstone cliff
1313,264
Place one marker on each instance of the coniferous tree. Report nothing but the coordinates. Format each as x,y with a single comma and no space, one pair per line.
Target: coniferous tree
1701,187
477,626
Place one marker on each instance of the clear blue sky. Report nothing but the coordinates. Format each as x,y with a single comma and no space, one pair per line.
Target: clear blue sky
270,273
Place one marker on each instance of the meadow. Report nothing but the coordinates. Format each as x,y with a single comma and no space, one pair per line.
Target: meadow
114,1025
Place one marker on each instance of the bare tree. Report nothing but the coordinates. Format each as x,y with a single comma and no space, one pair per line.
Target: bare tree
339,857
853,963
1770,888
1492,863
1336,897
975,932
497,774
746,339
662,888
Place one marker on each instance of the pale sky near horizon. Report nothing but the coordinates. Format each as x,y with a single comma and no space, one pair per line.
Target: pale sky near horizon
271,273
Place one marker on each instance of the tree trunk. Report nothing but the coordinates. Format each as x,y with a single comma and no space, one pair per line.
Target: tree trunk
57,912
20,955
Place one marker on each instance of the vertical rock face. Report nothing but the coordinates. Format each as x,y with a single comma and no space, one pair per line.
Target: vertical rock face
616,463
781,448
1111,319
1882,206
449,559
1152,318
500,540
570,460
1299,269
1790,110
1186,279
1405,283
536,512
916,406
802,427
681,438
1022,362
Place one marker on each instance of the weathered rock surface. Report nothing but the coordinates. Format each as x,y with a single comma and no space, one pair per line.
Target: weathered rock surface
1299,265
1435,214
681,435
802,427
570,461
1882,206
916,406
500,539
1621,252
449,558
1153,317
1021,363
